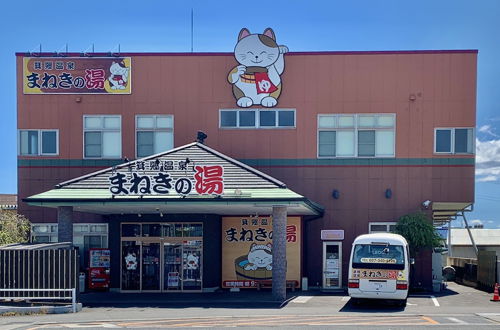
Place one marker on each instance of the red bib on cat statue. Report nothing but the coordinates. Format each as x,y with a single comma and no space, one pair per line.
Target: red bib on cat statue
263,83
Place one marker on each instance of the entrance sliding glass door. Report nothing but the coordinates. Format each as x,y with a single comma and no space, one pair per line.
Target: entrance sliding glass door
191,264
161,257
150,266
172,267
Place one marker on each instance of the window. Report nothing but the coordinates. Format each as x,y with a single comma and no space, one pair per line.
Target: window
454,140
356,135
88,236
102,136
257,118
154,134
85,237
44,233
382,227
38,142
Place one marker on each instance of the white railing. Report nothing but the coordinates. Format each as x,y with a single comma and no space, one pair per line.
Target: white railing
72,297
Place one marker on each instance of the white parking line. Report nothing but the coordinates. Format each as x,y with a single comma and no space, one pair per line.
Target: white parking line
301,300
435,301
346,298
456,320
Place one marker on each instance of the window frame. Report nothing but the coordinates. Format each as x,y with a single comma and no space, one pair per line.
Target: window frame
257,112
39,142
452,141
355,129
101,130
154,130
387,225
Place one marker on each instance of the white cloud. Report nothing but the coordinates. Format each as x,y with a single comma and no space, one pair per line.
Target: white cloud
488,130
487,160
476,222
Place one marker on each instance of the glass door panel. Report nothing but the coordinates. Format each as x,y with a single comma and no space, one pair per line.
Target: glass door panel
191,264
131,256
332,265
172,267
150,266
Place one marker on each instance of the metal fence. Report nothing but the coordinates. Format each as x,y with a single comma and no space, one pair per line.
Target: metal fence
38,274
486,269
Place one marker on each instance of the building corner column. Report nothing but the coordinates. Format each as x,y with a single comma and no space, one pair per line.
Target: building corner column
65,224
279,252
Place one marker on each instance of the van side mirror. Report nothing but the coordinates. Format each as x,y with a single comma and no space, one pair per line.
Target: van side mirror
412,261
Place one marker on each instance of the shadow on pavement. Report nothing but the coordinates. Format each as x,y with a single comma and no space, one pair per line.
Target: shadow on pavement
231,300
372,306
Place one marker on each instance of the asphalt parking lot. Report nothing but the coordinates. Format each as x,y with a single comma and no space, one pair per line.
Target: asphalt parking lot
456,306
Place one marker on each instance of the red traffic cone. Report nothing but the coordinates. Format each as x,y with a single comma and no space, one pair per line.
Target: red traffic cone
495,293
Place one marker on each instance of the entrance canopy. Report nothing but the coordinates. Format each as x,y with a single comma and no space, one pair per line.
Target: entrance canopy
189,179
443,212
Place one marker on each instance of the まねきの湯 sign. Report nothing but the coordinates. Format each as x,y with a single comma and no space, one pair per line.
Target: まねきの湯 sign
247,250
74,75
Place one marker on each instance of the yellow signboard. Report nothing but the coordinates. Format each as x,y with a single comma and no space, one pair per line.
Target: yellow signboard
247,251
75,75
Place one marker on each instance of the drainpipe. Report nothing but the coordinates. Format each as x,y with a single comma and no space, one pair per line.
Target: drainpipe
449,239
470,234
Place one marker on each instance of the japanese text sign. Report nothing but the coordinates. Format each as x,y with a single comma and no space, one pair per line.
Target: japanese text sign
157,177
59,75
247,250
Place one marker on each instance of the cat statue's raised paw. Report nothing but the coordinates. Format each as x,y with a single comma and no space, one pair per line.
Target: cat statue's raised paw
257,78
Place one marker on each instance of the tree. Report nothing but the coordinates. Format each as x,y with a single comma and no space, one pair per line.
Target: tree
14,228
418,231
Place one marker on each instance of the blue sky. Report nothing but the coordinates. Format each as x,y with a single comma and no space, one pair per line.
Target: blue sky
164,26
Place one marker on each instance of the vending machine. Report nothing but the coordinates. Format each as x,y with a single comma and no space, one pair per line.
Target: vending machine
99,264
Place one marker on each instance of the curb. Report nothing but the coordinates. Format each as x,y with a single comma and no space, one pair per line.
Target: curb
39,309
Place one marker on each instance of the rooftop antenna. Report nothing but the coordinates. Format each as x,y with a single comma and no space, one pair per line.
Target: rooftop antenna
33,52
112,53
192,28
86,51
59,53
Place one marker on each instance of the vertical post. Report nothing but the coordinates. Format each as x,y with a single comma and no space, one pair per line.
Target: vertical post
279,252
450,254
470,234
65,224
73,299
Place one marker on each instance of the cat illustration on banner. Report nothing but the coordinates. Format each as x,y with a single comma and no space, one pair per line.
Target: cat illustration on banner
257,78
119,75
260,256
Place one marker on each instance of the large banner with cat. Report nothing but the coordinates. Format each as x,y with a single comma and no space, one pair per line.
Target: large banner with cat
256,79
75,75
247,251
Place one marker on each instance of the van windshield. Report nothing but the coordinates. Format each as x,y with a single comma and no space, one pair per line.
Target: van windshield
378,256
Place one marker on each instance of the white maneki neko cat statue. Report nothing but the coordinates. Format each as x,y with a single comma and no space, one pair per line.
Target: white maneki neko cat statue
256,80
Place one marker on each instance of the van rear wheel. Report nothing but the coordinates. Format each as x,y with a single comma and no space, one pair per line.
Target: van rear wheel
402,303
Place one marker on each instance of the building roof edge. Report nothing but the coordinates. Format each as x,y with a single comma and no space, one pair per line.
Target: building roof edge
343,52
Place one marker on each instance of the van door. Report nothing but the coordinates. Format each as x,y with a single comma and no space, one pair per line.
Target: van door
332,265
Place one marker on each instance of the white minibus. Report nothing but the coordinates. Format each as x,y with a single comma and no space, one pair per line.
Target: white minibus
379,268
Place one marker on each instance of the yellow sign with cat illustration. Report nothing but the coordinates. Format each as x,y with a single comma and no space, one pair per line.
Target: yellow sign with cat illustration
75,75
256,79
247,251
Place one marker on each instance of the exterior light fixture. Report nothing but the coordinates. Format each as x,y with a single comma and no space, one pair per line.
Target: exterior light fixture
200,137
388,193
336,194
